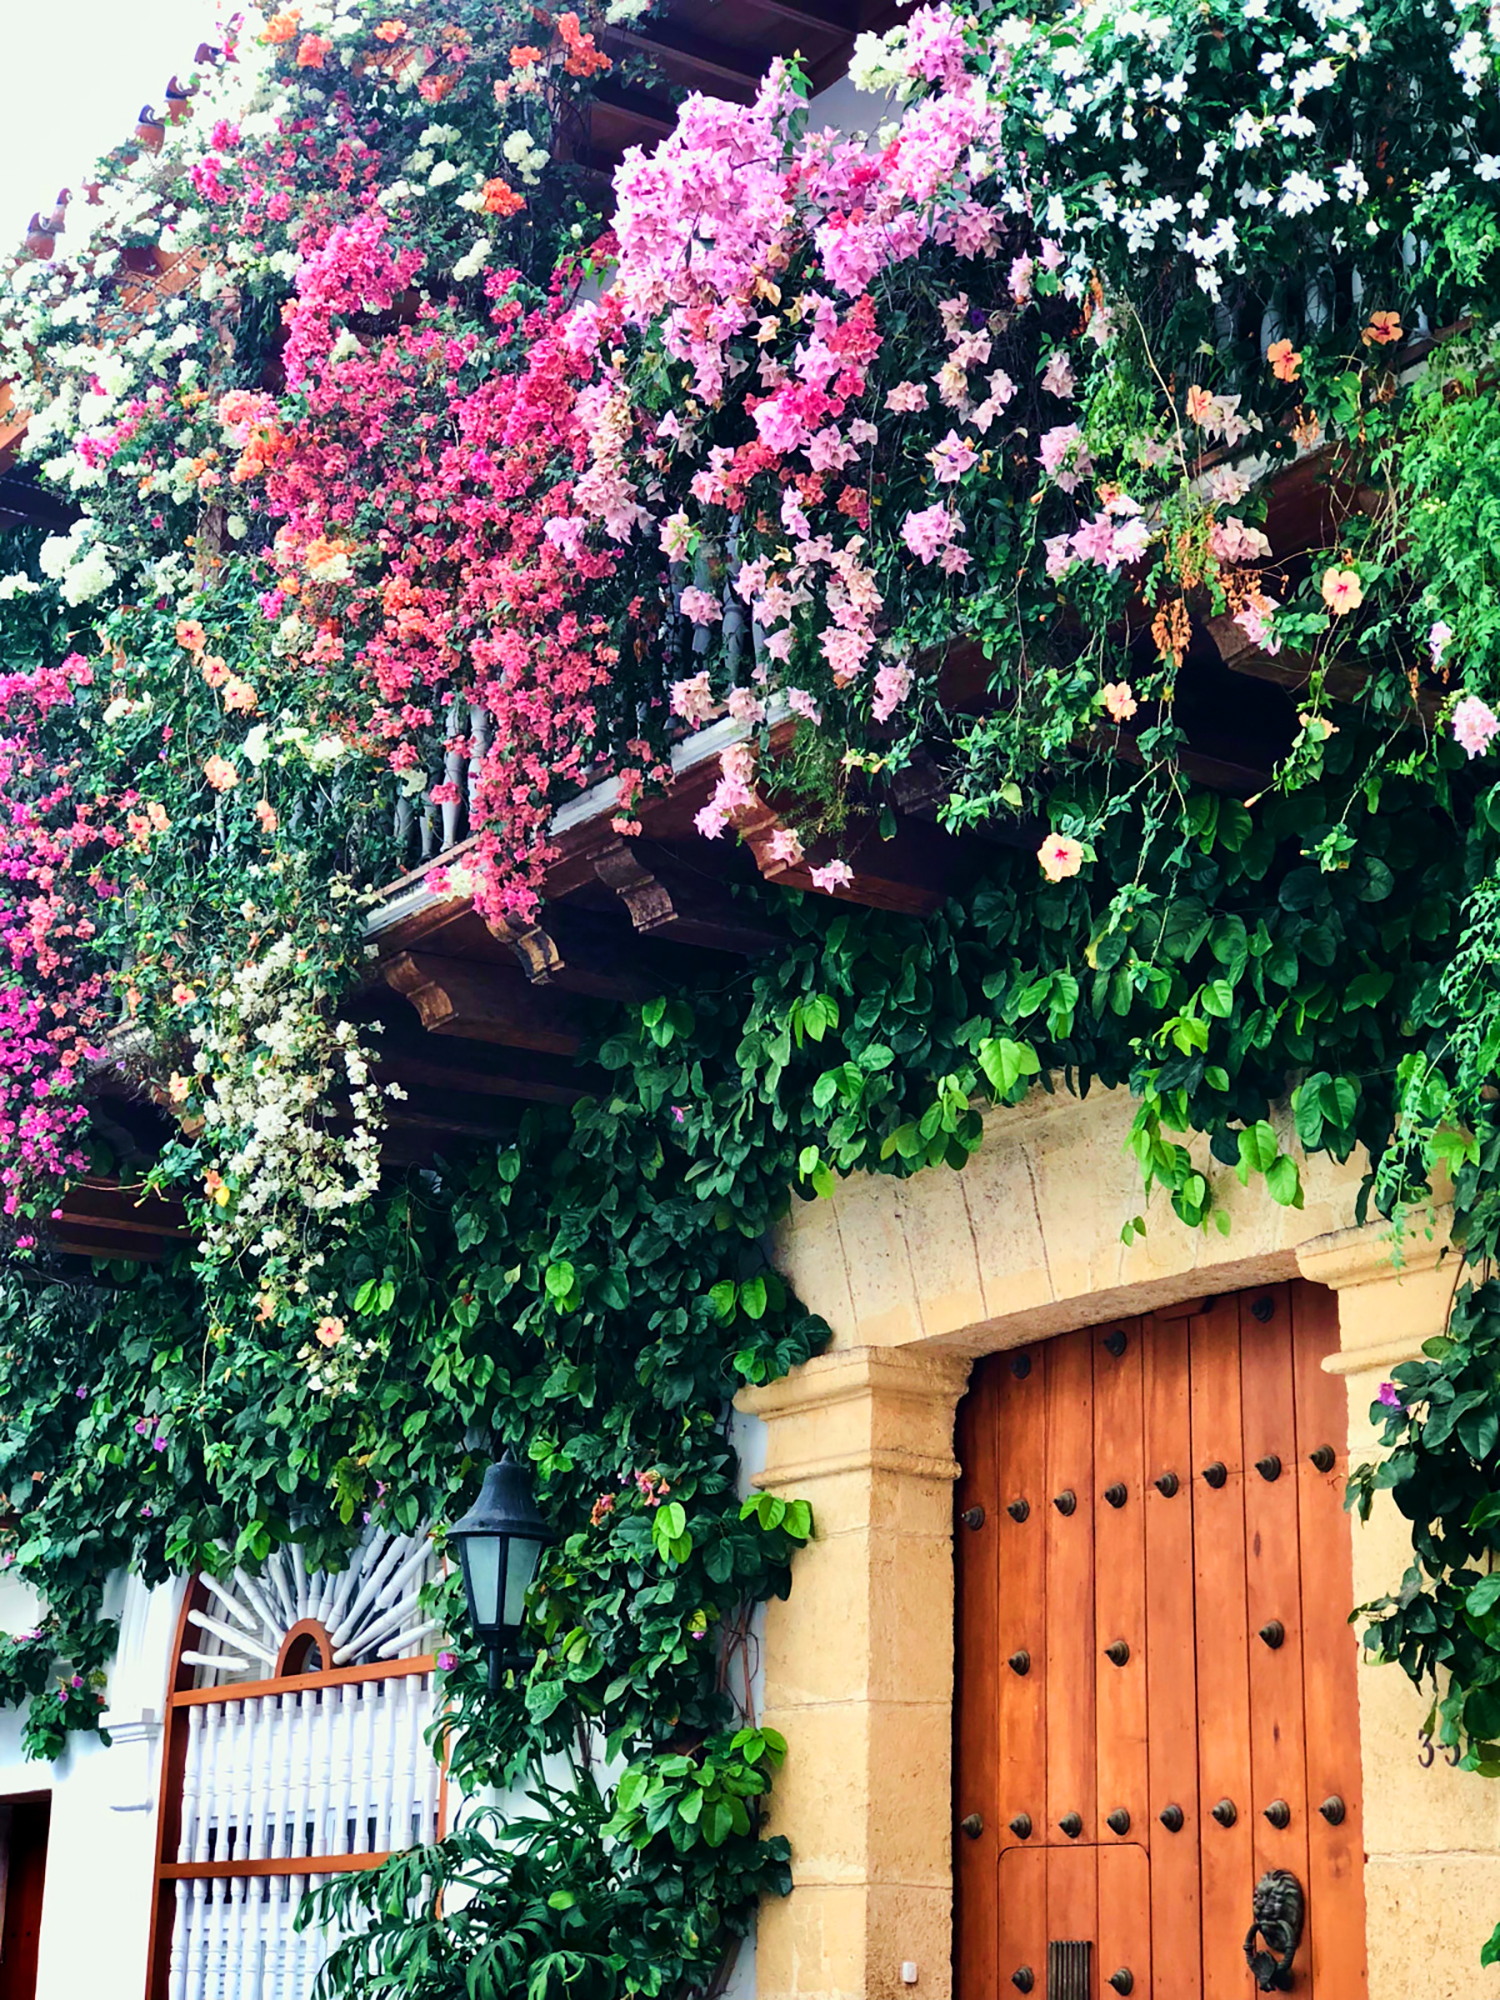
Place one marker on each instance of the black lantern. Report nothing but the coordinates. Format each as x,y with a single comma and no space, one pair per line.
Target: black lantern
500,1541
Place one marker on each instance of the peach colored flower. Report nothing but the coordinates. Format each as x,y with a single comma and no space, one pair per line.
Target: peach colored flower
178,1087
1383,329
1119,700
311,51
156,812
1342,591
181,995
221,774
214,670
191,634
283,26
1200,404
1060,857
390,31
239,695
330,1331
265,812
1286,362
501,199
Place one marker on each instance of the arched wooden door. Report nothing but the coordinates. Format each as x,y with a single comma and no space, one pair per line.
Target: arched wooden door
295,1749
1156,1675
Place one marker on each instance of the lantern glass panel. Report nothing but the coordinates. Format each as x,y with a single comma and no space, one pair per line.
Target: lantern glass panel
520,1570
481,1567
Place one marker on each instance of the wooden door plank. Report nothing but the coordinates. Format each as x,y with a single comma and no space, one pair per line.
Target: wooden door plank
1022,1941
1021,1554
1171,1665
975,1714
1335,1866
1125,1900
1119,1583
1221,1637
1073,1902
1071,1641
1273,1595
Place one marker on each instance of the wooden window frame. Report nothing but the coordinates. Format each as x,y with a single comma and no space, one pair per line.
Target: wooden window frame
182,1697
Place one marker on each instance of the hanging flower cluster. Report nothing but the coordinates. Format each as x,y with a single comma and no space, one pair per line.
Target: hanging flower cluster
391,462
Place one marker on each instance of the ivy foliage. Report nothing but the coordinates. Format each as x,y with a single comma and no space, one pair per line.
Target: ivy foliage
595,1290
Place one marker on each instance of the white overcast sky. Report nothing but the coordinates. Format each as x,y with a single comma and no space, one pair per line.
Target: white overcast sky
77,73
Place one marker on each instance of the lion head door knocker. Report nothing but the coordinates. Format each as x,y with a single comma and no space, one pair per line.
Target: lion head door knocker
1277,1908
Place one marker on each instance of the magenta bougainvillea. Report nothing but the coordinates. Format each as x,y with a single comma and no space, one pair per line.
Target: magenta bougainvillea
389,455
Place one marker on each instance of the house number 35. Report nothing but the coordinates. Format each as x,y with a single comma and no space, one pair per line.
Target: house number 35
1427,1751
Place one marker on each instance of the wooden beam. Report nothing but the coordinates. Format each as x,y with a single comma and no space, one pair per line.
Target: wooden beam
423,926
106,1205
447,1113
560,951
483,1003
103,1219
662,897
693,59
540,1080
643,112
910,874
1288,670
71,1240
831,20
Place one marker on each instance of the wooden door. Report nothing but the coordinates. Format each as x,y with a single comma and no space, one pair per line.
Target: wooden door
23,1869
1156,1676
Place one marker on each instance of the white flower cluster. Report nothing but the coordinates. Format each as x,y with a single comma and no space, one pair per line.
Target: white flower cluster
78,563
334,1366
1121,75
526,156
269,1062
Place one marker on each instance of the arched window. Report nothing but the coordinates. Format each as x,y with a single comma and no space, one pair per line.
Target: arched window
294,1750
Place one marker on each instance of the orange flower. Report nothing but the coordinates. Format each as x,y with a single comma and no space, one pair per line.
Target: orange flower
311,51
239,695
156,812
1342,591
265,812
1200,404
390,31
214,670
583,59
1060,857
191,634
1384,328
221,774
501,199
525,56
1286,362
433,89
283,26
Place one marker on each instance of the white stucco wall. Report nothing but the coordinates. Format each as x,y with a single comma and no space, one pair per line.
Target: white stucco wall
96,1906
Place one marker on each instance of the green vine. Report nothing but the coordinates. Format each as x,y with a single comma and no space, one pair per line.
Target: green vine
594,1292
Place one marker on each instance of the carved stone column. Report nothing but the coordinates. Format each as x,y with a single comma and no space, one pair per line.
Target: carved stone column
859,1675
1432,1834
